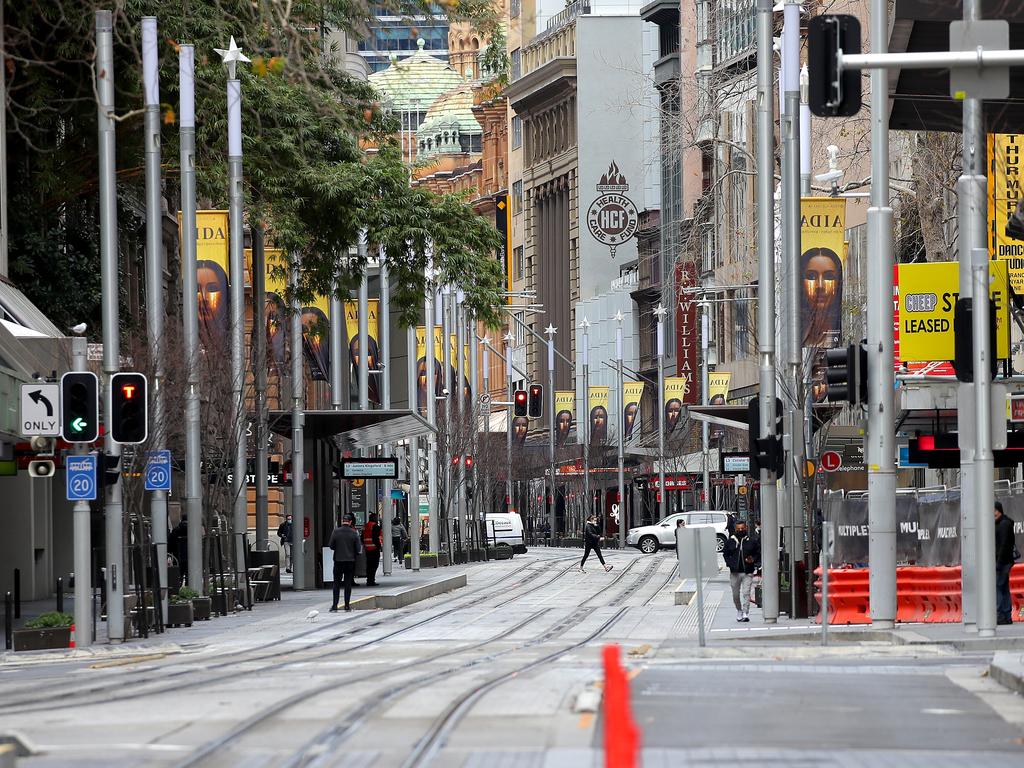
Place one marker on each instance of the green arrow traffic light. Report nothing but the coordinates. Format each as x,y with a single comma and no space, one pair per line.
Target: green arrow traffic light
79,425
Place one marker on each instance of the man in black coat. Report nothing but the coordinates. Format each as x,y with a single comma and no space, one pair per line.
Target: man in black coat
743,556
1004,562
346,544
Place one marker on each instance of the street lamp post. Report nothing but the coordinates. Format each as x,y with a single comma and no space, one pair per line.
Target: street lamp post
509,411
705,327
660,313
622,432
551,331
434,541
585,325
488,498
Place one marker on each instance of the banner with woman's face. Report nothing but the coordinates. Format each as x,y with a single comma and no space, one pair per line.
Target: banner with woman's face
421,366
822,233
633,391
520,428
718,394
213,292
565,407
676,388
372,337
598,427
316,338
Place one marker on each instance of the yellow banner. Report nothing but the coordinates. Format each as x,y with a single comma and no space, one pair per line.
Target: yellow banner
822,232
675,389
212,281
633,391
598,427
718,387
565,407
372,334
1006,230
275,309
928,294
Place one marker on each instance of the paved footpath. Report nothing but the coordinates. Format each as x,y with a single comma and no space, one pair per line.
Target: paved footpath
506,672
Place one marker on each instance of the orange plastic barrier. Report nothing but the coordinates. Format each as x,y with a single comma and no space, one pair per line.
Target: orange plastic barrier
621,736
848,595
1017,591
923,594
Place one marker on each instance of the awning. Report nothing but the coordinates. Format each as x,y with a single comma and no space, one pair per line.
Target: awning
355,429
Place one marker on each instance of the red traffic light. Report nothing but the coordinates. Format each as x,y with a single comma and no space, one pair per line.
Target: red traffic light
536,408
455,461
520,402
469,462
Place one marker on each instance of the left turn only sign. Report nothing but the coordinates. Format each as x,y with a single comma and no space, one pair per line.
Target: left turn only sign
40,410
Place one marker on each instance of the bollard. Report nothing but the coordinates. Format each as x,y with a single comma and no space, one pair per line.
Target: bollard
60,594
17,593
8,620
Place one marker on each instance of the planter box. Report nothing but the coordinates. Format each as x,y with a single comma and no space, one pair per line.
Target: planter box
499,553
429,561
45,638
180,614
461,557
201,608
218,599
477,555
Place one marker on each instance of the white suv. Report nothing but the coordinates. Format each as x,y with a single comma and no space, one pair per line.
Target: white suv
650,538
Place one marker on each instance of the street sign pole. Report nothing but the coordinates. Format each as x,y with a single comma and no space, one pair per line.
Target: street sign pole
82,533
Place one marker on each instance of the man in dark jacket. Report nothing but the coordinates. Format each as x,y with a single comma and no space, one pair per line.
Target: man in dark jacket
742,554
177,545
1004,562
284,533
592,543
346,544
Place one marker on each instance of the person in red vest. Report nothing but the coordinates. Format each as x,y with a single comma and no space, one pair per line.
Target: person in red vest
371,543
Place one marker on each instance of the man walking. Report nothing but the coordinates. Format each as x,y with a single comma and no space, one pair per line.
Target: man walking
346,545
1004,562
284,533
372,544
592,542
743,556
400,537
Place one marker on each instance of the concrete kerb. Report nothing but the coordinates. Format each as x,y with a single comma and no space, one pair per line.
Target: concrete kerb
405,596
1007,669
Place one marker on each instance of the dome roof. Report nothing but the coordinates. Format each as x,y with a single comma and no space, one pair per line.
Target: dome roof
415,82
449,118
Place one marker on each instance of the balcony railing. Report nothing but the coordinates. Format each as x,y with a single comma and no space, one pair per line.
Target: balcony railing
563,17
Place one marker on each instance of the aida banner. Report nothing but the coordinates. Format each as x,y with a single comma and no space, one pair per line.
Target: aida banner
633,391
1005,205
676,391
275,309
372,336
822,238
598,415
565,407
718,387
212,280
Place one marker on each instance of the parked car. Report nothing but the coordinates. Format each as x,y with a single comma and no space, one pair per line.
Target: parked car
650,538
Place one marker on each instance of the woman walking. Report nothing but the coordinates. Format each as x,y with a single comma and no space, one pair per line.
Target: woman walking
592,541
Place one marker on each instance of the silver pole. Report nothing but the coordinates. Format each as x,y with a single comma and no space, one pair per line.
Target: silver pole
585,325
298,425
662,492
975,235
765,307
111,326
474,377
4,237
700,587
446,366
83,530
190,311
880,440
384,387
337,349
510,411
414,458
464,418
155,285
826,544
704,437
259,325
364,341
433,539
622,432
552,485
488,498
805,133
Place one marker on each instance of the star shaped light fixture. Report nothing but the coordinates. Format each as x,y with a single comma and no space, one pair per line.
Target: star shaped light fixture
585,324
509,338
486,340
660,312
232,56
618,317
550,330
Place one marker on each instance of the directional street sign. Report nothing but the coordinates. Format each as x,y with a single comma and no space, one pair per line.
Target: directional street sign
158,471
40,410
81,478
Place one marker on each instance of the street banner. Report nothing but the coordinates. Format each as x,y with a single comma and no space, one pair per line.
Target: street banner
822,238
633,391
275,308
212,282
598,410
421,365
927,302
520,428
565,407
676,391
1005,205
718,394
372,336
687,332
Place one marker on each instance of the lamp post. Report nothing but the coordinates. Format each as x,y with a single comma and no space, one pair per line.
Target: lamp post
660,313
509,338
231,56
551,331
705,328
489,499
434,542
585,325
622,432
413,503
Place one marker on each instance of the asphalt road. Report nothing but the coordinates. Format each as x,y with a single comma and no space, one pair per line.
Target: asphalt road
506,673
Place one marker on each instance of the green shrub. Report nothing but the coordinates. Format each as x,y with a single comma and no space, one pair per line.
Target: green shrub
50,620
187,593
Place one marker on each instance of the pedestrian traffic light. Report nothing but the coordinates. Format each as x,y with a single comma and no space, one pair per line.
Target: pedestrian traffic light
765,453
963,339
536,409
841,375
129,412
520,402
832,93
79,407
110,469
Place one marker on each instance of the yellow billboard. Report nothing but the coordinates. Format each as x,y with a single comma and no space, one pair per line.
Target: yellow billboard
928,294
598,415
1005,220
565,408
633,391
822,231
675,390
212,280
718,387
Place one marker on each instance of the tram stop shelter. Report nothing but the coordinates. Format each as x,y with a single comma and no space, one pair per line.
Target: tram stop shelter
327,437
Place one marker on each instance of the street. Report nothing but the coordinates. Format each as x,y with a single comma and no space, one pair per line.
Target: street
506,671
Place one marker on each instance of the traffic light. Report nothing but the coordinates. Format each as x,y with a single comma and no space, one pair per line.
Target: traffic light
831,93
768,452
536,408
129,412
520,402
963,339
842,375
109,469
79,407
469,463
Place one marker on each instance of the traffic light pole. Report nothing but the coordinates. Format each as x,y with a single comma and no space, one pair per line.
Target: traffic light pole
413,502
384,387
662,492
765,307
155,285
458,397
585,325
298,438
552,487
433,539
622,433
111,321
82,528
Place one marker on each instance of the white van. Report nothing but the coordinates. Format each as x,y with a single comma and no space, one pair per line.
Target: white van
505,527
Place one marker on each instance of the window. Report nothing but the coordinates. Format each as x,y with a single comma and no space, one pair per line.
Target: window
517,197
515,8
519,328
741,326
517,63
517,132
517,259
